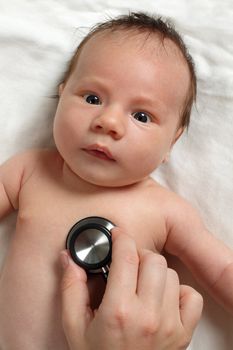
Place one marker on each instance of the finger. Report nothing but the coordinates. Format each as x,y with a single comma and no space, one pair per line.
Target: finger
76,312
171,296
191,305
152,278
124,267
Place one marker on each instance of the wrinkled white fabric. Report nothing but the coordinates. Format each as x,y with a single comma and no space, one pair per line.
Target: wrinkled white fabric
37,39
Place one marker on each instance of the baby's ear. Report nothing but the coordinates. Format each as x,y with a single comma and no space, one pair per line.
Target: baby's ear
166,157
178,134
176,137
61,88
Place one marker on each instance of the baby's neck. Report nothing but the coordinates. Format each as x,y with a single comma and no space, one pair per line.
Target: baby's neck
76,183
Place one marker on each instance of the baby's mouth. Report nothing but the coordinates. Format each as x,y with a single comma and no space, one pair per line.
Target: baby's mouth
99,152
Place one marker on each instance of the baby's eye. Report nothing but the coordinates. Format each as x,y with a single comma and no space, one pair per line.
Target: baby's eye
92,99
142,117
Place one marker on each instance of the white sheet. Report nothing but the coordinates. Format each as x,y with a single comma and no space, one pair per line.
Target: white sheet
36,40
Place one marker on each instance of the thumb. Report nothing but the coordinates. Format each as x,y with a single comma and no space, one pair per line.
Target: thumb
76,311
191,305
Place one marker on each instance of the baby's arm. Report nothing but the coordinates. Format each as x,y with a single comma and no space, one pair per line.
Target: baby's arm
210,261
12,175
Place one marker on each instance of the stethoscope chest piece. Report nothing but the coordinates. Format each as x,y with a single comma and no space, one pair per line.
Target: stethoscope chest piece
90,245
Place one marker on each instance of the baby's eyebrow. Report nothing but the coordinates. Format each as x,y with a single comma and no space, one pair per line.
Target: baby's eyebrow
102,83
143,99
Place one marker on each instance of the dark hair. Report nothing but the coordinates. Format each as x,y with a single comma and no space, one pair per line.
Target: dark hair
150,24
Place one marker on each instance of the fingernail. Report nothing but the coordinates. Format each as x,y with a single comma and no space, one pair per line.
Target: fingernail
64,259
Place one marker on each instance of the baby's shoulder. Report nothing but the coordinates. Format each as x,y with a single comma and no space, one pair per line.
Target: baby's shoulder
32,156
43,156
30,160
18,169
159,193
42,160
172,204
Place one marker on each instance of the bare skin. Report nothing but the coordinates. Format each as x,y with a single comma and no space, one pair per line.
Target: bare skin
101,167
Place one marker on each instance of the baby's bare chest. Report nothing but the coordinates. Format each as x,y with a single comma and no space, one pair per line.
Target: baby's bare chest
47,213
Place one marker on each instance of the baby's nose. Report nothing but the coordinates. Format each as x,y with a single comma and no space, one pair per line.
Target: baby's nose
110,122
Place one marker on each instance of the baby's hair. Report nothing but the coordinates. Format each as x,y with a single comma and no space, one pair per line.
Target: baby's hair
145,23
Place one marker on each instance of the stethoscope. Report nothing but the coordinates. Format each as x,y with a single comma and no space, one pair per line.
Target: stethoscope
90,244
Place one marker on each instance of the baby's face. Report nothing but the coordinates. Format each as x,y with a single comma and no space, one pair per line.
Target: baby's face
118,114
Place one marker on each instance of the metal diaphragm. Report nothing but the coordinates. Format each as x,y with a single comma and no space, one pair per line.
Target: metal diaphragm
90,245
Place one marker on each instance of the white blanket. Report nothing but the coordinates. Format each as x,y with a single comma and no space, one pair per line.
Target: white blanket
37,39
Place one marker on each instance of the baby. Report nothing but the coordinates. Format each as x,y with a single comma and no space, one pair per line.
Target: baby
124,102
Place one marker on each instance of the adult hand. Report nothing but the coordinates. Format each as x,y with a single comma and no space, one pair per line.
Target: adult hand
143,308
